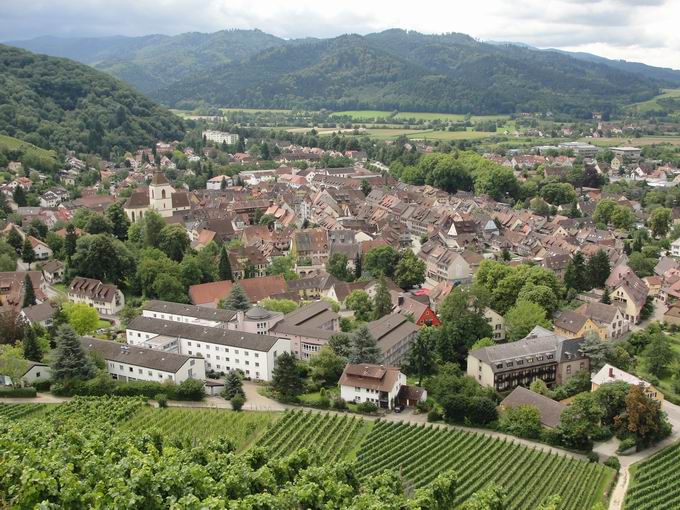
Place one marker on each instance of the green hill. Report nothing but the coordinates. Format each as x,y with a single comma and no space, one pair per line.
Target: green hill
59,104
154,61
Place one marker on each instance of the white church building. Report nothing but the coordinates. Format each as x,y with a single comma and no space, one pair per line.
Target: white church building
160,196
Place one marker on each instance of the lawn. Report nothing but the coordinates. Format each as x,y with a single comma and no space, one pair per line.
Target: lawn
11,143
652,104
634,142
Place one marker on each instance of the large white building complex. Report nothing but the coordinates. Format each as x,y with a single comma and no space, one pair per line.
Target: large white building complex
220,137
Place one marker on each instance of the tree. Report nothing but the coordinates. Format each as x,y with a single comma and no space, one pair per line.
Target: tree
237,299
521,421
382,302
337,266
659,221
643,418
103,257
658,355
576,274
152,224
168,288
522,318
13,364
358,266
482,342
19,196
606,297
98,224
421,360
410,270
83,318
265,153
27,253
598,269
364,347
542,295
70,240
381,260
174,241
287,380
360,303
29,292
224,266
70,360
365,187
326,367
284,266
341,343
539,386
31,346
233,385
580,421
119,221
14,240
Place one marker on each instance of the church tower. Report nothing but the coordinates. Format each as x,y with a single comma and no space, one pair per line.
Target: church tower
160,194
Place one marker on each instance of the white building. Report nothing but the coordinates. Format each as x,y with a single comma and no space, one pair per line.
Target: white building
497,323
215,183
35,372
627,152
579,148
189,314
134,363
160,196
675,248
220,137
106,298
375,384
222,349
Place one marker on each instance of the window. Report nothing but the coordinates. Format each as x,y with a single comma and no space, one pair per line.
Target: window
508,364
520,362
539,358
37,374
568,369
121,367
257,355
189,344
247,362
192,362
140,371
550,356
198,345
530,360
499,365
235,351
130,369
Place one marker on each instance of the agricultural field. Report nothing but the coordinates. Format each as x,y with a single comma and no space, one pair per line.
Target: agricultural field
634,142
335,436
369,115
202,424
420,453
655,482
656,103
17,411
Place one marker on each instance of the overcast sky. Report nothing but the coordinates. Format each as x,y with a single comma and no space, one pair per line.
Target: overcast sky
636,30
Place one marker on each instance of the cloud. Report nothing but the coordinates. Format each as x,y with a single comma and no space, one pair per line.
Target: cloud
640,29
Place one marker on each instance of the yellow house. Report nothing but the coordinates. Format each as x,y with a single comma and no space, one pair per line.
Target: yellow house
610,374
575,325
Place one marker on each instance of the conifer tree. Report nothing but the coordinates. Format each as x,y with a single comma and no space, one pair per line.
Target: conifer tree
31,346
382,302
364,348
237,299
27,253
70,359
29,292
224,266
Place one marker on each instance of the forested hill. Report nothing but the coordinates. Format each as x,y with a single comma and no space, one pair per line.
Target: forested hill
390,70
408,71
59,104
154,61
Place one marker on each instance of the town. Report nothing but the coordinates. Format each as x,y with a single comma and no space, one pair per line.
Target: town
257,283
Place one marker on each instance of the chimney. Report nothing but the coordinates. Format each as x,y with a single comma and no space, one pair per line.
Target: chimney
611,372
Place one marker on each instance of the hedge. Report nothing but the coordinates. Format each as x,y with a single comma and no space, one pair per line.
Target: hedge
9,391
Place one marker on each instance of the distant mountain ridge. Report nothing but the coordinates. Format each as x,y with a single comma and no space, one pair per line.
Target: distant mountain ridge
390,70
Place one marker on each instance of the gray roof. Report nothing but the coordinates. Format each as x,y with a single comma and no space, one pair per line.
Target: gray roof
539,343
255,342
199,312
312,315
390,330
550,409
257,313
284,328
39,313
133,355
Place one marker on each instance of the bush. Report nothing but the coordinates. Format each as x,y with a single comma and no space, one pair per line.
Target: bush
593,457
626,444
10,392
42,385
162,400
434,414
339,404
424,406
323,402
551,436
367,408
613,462
237,402
602,434
191,389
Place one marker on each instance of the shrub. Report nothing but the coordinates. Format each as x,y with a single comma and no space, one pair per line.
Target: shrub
613,462
339,404
42,385
367,407
593,457
602,434
626,444
191,389
237,402
162,400
323,402
424,406
10,392
434,414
